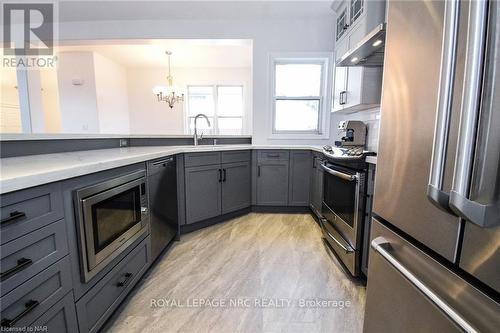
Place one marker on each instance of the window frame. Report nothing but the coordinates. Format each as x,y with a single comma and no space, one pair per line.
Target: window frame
322,58
216,116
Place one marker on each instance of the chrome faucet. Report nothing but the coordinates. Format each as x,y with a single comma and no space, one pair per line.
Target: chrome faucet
195,136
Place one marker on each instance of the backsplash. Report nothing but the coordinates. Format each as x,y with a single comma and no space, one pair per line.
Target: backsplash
370,117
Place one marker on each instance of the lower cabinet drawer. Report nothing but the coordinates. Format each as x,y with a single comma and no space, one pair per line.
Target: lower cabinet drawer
236,156
24,211
28,255
273,155
60,318
24,304
97,305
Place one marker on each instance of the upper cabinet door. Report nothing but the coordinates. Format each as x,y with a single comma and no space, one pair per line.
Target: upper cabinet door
342,22
356,8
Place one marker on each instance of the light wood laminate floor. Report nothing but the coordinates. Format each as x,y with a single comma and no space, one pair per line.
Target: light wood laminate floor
261,260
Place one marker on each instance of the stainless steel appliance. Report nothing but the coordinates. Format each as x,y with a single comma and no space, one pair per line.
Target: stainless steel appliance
343,210
347,202
162,188
368,52
434,263
110,216
353,133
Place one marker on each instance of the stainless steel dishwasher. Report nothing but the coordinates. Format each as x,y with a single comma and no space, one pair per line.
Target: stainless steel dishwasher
162,190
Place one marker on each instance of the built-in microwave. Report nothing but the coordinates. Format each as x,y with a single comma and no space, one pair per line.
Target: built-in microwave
110,216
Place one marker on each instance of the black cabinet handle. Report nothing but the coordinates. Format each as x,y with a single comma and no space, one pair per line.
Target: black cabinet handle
258,171
273,155
342,101
123,283
14,216
224,179
30,305
220,175
21,264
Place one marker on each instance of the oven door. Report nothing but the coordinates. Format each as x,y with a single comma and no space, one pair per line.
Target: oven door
342,206
111,221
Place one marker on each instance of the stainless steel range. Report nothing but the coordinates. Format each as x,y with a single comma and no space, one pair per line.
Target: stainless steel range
346,202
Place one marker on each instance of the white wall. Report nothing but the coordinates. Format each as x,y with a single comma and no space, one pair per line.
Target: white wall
10,113
148,116
77,103
50,101
99,104
112,96
269,35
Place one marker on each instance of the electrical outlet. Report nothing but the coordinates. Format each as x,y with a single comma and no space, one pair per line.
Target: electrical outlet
123,142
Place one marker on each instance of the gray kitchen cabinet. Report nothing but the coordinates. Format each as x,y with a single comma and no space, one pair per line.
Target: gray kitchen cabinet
24,304
220,183
27,210
299,180
95,307
316,196
272,182
27,256
60,318
203,192
236,191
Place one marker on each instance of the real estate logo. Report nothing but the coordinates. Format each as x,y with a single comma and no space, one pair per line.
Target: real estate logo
29,33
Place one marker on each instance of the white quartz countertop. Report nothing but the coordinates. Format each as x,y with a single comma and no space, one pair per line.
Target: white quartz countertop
17,173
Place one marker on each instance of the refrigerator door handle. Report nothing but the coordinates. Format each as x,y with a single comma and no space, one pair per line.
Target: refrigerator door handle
382,246
435,192
479,214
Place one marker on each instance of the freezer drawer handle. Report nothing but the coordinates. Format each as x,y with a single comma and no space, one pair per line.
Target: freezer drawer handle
382,246
338,173
475,212
435,192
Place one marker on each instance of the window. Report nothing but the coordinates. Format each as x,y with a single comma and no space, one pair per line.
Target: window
299,96
223,105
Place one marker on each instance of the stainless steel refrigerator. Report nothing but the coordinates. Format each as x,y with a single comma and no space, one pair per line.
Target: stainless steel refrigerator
434,262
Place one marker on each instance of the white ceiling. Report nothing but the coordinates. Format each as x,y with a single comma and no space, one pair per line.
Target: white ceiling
199,53
111,10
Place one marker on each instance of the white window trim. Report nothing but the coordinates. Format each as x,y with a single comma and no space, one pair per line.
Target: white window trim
216,116
326,59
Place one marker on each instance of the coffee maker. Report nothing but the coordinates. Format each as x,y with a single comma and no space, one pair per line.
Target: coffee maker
352,132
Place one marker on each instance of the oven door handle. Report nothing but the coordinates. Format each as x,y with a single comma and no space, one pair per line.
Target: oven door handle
339,174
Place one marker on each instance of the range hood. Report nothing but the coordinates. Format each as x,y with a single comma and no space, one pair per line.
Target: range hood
369,52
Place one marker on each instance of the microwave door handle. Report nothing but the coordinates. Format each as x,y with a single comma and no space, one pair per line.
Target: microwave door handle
338,173
435,192
383,247
479,214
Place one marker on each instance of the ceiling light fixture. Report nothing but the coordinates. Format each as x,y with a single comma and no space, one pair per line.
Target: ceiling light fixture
354,59
168,94
377,43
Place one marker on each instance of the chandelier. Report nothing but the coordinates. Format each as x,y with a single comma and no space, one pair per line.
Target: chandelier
169,93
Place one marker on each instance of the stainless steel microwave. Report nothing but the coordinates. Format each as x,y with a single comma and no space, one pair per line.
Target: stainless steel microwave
110,216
